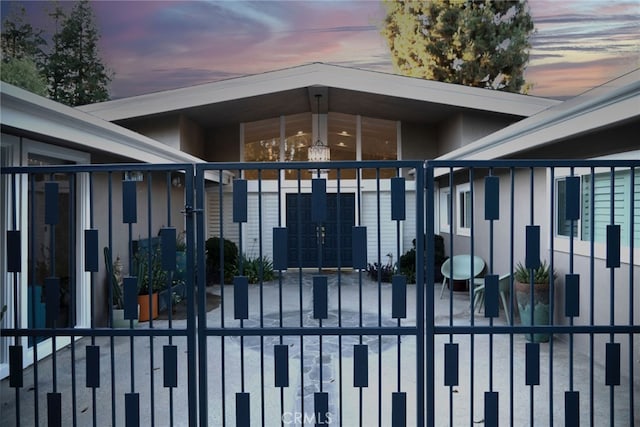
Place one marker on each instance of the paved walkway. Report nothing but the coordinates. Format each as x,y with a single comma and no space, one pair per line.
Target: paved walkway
247,364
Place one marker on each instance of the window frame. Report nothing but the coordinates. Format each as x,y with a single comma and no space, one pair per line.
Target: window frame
581,246
444,206
460,209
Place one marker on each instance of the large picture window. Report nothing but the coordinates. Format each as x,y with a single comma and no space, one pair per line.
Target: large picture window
350,137
379,142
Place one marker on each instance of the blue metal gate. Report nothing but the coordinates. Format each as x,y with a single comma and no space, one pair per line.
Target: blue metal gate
243,339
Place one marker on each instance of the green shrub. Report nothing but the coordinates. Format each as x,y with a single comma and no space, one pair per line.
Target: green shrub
407,261
230,253
254,268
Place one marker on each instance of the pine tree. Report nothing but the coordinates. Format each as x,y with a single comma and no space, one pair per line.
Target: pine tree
22,55
75,72
19,39
474,43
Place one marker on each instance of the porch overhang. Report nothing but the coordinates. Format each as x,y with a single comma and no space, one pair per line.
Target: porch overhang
28,115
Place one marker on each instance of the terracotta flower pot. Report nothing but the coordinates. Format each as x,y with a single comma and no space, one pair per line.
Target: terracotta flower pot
143,301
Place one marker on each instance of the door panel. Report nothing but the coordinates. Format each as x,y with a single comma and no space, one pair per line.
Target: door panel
306,238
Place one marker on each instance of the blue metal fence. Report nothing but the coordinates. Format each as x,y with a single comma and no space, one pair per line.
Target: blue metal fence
296,305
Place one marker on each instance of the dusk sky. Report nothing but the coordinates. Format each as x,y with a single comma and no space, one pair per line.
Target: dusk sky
157,45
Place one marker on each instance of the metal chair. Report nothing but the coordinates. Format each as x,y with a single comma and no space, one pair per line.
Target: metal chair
504,282
460,267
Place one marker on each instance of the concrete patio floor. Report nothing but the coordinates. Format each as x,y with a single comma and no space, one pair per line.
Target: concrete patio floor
247,366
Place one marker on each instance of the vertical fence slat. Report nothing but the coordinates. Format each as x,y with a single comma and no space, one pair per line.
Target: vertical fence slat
321,408
572,297
280,248
399,296
398,409
320,297
491,198
132,409
360,365
130,296
281,364
170,362
240,200
240,297
129,202
398,199
572,198
14,254
572,408
51,203
54,409
491,408
612,364
532,359
532,255
168,248
491,295
91,258
52,299
15,366
359,247
451,364
243,407
318,200
92,356
613,246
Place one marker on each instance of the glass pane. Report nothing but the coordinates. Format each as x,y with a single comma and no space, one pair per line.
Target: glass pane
262,144
342,130
379,142
298,138
467,209
49,246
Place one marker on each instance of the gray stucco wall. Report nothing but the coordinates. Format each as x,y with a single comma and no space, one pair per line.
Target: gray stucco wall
502,227
191,137
602,293
419,141
464,128
165,129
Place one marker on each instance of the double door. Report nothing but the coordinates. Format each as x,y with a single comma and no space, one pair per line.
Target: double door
320,245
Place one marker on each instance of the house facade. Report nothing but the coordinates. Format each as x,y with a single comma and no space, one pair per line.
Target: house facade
277,116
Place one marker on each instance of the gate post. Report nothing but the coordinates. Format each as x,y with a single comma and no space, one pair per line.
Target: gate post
429,286
192,390
202,314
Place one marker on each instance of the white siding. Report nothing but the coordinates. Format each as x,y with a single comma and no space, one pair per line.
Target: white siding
369,215
229,229
269,221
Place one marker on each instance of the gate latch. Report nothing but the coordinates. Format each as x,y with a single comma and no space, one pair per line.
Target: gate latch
190,210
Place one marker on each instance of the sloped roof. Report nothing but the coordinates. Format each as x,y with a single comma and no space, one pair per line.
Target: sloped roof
349,90
615,103
39,117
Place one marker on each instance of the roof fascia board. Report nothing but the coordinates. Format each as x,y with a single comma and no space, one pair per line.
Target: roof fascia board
320,75
24,110
556,124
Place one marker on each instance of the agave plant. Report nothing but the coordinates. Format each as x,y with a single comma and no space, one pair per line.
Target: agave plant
542,274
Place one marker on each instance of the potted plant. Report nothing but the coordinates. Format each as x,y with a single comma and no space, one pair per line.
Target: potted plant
541,295
151,280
